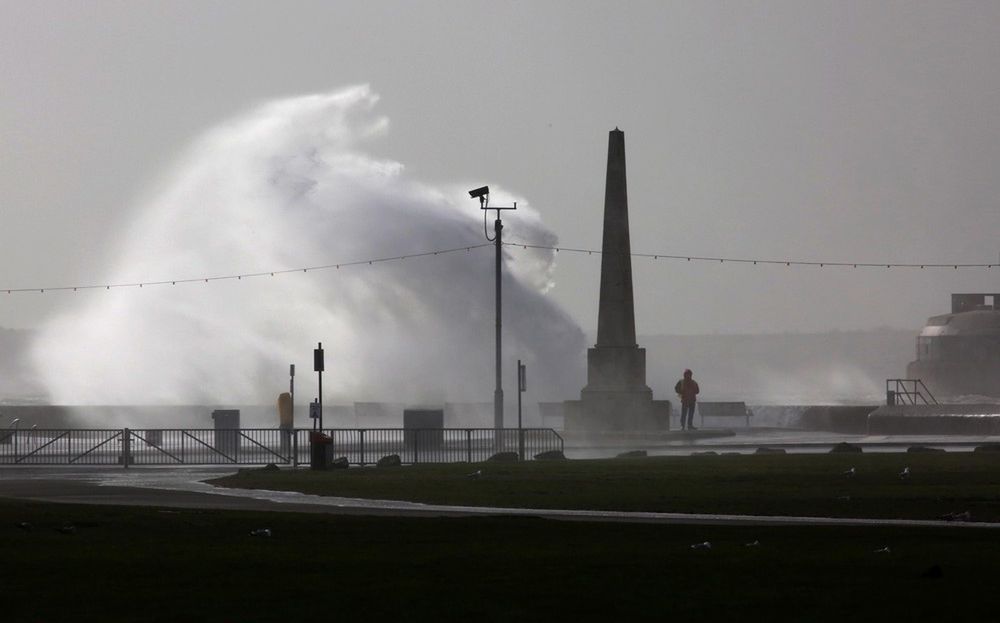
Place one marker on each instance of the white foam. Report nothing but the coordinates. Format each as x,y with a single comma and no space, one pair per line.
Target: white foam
286,185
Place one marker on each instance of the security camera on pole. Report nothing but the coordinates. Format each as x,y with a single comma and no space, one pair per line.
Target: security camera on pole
483,194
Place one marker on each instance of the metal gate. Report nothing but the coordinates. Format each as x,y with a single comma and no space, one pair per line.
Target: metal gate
260,446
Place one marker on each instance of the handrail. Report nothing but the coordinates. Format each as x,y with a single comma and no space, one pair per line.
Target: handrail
907,395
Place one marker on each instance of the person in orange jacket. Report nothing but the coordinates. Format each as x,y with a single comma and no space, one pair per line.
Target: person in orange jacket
687,389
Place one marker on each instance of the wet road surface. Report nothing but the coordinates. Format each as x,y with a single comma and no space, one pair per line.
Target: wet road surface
184,488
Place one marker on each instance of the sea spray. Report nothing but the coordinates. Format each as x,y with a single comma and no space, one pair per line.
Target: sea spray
288,185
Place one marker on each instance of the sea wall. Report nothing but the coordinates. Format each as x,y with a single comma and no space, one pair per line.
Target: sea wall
960,419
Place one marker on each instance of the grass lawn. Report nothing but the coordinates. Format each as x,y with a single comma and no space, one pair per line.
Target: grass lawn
136,564
793,484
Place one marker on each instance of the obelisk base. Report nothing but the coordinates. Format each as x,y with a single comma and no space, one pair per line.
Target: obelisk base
617,412
616,397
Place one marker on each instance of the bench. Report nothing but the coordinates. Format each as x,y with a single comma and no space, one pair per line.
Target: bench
724,409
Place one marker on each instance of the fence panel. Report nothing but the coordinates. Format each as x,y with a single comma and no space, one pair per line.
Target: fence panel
259,446
61,447
365,446
248,446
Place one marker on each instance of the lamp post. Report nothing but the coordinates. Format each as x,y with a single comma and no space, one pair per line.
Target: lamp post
483,194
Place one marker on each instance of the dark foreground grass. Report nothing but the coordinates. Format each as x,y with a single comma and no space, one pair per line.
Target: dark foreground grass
133,564
803,484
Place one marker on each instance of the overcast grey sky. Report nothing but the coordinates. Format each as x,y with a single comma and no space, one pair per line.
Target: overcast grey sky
841,131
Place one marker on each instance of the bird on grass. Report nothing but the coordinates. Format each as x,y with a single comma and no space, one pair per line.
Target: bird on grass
850,473
905,474
476,474
884,550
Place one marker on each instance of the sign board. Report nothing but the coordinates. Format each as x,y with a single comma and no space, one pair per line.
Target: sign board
314,410
318,359
522,377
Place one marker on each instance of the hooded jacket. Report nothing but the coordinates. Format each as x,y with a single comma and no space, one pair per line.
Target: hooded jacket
687,389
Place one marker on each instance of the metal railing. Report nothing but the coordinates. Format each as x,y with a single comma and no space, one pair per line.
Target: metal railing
365,446
907,391
260,446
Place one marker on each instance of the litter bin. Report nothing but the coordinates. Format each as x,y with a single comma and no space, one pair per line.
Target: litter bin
227,432
425,426
320,450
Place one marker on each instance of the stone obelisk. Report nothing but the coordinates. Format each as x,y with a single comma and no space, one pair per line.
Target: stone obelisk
616,397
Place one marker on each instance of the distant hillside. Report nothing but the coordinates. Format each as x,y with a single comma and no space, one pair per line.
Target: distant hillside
839,367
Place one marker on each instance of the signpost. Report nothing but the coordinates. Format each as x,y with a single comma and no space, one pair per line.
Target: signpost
291,389
316,413
522,386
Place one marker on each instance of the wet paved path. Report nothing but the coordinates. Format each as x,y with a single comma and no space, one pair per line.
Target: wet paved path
183,488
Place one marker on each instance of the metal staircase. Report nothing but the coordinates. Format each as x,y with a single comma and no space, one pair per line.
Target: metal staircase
907,391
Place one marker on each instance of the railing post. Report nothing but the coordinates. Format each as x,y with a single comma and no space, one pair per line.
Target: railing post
468,443
416,446
126,446
333,443
361,445
295,447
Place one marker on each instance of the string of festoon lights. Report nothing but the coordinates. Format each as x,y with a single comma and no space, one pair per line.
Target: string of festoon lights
756,261
241,276
514,245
